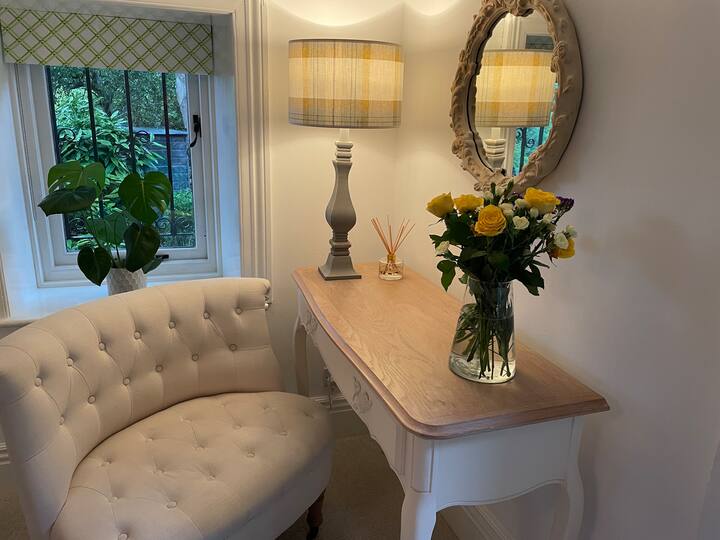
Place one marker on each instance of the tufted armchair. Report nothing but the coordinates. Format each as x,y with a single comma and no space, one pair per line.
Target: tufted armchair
158,415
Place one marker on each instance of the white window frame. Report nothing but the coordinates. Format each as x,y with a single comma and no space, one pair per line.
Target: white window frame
54,266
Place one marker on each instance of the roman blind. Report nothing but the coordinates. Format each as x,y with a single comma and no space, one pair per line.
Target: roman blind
74,39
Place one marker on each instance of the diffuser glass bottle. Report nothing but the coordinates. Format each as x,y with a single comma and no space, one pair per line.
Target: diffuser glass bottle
390,267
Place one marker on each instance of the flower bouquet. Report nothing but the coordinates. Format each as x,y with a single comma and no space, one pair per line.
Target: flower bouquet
493,240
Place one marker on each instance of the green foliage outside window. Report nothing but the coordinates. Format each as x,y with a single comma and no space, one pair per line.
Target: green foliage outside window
75,142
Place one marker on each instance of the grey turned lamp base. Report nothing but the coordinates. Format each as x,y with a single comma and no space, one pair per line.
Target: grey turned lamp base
338,267
340,215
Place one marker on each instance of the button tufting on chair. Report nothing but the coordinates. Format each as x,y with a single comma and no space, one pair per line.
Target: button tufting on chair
155,485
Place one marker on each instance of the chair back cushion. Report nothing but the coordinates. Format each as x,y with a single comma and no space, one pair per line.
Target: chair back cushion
70,380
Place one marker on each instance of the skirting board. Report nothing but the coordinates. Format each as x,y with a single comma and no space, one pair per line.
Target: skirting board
475,523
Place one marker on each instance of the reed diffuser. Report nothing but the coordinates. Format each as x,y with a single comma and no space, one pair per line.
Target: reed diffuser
390,267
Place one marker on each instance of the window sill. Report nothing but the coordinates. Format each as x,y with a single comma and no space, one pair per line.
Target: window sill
32,303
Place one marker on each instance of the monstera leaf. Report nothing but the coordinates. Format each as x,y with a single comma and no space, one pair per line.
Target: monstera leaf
109,230
94,263
73,174
66,200
142,242
146,198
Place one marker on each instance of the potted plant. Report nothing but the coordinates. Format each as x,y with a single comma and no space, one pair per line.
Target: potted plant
122,241
495,239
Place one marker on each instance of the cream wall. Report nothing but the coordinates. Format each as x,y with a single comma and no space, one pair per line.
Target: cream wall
633,314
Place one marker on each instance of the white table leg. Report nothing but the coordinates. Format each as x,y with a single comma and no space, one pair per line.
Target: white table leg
418,516
575,501
568,517
301,363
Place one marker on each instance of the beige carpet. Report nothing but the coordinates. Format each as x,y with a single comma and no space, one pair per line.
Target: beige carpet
362,502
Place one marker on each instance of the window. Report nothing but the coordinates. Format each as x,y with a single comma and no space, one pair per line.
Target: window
129,121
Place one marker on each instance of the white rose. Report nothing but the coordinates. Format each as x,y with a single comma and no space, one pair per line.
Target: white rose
551,227
507,209
442,248
560,240
534,212
570,231
521,223
522,203
547,219
488,195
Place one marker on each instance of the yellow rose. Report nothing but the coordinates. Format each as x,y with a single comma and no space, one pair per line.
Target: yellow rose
491,221
467,203
441,205
544,201
564,253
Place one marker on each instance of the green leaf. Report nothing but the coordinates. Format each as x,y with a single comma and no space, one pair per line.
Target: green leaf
142,243
152,265
93,175
65,201
72,175
532,281
94,263
448,273
64,175
145,198
468,254
110,229
499,260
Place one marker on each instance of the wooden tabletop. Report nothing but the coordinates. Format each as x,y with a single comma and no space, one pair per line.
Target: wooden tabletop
398,335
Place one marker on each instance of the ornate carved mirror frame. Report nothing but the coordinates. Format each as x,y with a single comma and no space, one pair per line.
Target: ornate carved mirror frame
567,65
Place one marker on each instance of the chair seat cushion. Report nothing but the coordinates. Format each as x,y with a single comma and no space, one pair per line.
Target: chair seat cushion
200,469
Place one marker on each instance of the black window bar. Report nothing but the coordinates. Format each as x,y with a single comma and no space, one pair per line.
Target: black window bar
527,143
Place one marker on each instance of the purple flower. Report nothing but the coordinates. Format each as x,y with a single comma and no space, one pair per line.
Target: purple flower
566,203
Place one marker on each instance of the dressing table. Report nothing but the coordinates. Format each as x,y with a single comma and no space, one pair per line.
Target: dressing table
450,441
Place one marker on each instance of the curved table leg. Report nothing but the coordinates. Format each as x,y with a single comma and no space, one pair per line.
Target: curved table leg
575,496
418,516
301,363
568,517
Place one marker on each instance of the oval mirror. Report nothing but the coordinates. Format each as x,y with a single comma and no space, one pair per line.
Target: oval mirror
517,91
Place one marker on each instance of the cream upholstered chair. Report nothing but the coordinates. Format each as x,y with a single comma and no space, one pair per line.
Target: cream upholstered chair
157,414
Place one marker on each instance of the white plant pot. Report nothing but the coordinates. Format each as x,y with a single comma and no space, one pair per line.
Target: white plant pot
120,280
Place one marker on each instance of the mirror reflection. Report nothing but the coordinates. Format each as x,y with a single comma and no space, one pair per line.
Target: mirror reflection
515,92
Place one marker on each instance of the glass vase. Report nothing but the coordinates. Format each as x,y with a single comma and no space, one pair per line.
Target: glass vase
484,343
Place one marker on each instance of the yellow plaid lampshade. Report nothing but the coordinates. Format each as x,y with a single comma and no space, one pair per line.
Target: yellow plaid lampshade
345,83
515,88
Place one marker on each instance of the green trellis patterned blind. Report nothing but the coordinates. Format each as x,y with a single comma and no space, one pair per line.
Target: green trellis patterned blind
74,39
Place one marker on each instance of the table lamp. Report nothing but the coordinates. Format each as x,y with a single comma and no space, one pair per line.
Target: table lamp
514,89
344,84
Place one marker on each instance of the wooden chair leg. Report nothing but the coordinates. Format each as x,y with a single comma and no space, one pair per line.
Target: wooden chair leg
315,517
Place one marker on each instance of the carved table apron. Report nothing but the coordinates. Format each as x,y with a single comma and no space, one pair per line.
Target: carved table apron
444,455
